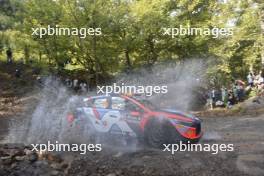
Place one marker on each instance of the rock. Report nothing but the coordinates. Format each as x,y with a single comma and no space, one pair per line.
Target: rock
55,172
6,160
27,151
13,165
16,152
2,153
119,154
146,157
41,163
118,172
145,172
32,157
64,165
20,158
4,157
54,157
56,166
17,146
111,174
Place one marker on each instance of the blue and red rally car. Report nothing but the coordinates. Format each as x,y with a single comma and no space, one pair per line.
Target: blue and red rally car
133,117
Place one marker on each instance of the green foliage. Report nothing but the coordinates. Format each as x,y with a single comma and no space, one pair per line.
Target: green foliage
131,33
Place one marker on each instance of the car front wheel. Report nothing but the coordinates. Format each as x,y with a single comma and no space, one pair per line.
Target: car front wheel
159,132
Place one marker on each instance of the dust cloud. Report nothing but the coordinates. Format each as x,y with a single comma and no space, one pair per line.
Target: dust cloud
183,80
49,120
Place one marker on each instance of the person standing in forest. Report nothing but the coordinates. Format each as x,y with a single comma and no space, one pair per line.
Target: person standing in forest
261,81
9,55
224,93
83,87
213,98
75,85
68,82
235,91
257,78
250,79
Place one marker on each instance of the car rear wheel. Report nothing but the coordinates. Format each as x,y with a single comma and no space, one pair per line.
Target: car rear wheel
82,128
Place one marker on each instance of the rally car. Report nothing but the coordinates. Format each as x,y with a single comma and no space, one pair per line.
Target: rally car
122,115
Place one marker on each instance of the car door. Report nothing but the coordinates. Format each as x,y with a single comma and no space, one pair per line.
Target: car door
130,115
98,111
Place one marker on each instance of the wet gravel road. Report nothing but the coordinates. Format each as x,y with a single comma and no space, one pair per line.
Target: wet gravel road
246,133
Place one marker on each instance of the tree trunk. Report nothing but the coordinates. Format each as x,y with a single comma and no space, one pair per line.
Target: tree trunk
128,61
40,56
154,56
26,53
95,58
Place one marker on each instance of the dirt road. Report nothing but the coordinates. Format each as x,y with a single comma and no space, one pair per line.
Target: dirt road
246,133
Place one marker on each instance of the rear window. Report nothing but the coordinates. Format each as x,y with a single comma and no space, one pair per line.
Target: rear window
101,103
96,102
118,103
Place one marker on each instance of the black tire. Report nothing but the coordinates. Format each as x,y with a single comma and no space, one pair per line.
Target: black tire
158,132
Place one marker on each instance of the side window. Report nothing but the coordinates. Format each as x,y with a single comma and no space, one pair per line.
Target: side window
101,103
130,106
118,103
88,103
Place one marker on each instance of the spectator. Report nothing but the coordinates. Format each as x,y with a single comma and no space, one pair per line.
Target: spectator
250,79
240,92
68,83
39,79
87,86
260,81
9,55
224,95
261,78
75,85
235,91
231,99
83,87
257,77
18,73
213,98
